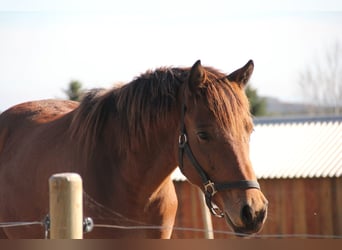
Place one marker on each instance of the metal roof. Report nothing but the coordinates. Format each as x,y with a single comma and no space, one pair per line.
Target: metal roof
295,148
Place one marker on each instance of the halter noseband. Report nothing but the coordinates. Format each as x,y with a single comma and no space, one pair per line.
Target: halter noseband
210,188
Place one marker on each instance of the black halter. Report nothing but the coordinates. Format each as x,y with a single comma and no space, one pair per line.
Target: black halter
210,188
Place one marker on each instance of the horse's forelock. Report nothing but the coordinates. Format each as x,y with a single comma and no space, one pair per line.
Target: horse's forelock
226,101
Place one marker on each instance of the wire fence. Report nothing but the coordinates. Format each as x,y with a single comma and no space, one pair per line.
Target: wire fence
191,229
121,222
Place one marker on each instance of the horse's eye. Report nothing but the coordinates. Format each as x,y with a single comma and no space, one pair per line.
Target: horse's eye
203,136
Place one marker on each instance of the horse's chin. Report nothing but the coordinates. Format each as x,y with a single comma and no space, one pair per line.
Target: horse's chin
240,231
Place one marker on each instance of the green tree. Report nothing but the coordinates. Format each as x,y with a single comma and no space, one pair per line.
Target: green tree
257,103
74,92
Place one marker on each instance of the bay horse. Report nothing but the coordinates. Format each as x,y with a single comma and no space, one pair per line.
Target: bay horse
125,142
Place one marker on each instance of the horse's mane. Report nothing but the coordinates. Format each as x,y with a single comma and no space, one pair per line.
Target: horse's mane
138,108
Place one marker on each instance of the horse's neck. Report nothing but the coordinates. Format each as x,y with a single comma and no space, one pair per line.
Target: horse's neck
148,163
150,166
136,175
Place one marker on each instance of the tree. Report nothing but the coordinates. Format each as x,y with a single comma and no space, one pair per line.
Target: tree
74,92
257,103
321,82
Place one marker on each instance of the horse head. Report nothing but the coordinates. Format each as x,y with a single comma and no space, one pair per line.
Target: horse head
214,145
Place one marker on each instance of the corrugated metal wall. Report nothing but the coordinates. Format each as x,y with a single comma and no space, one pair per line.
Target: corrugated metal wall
296,207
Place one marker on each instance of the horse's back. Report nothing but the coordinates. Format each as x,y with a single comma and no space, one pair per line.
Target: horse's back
36,112
32,128
20,122
31,114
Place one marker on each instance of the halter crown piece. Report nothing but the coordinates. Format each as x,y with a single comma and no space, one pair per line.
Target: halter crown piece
210,188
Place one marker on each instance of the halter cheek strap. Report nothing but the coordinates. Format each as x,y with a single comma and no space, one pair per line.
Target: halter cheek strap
210,188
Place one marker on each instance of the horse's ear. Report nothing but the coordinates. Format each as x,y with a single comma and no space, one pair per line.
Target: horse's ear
242,75
196,76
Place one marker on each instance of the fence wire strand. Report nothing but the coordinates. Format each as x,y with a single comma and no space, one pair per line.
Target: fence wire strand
256,236
20,224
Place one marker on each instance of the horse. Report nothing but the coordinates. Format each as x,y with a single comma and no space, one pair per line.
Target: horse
125,142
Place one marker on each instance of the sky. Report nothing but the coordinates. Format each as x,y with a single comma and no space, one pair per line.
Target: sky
46,44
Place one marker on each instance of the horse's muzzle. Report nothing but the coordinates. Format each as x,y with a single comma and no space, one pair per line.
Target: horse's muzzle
251,221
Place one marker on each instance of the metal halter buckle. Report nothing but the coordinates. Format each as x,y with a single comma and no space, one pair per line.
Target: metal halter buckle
209,188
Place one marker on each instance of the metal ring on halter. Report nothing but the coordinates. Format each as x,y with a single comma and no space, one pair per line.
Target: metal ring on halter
182,140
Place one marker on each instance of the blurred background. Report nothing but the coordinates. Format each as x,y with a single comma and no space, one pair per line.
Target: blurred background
296,46
59,49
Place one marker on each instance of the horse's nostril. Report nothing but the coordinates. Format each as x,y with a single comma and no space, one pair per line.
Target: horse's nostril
247,215
261,216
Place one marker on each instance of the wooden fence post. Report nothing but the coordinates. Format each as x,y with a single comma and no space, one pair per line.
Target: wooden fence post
66,206
206,215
